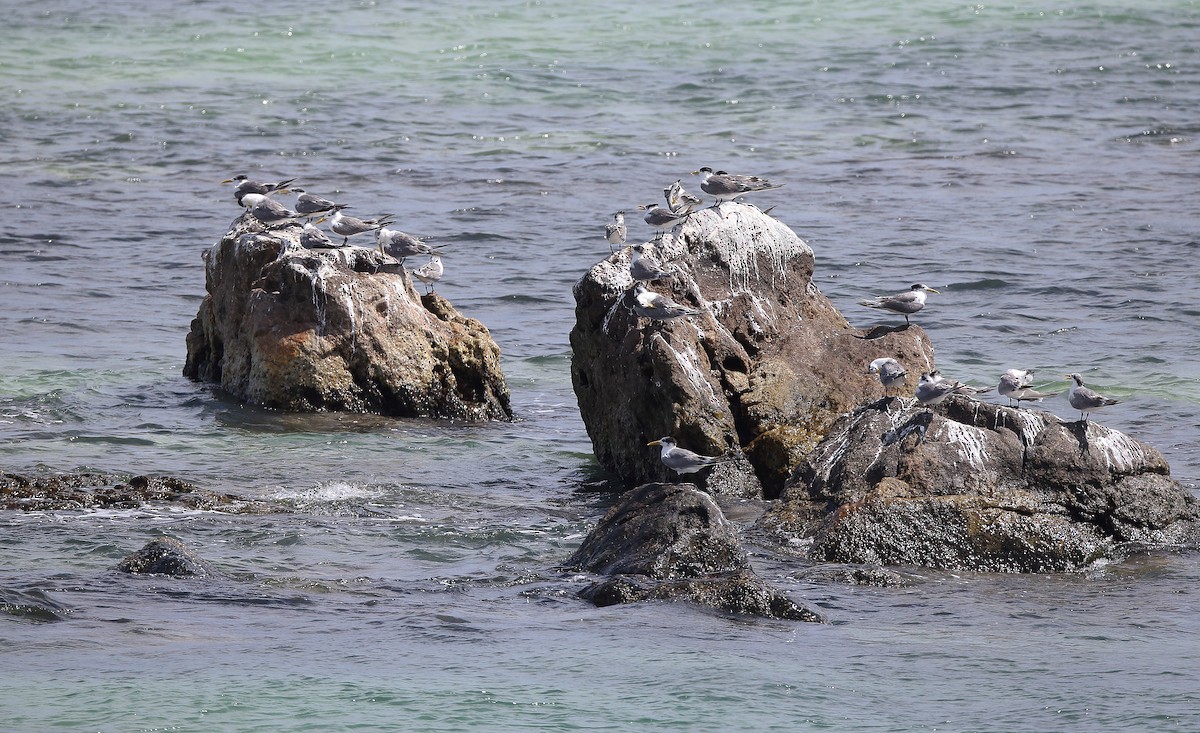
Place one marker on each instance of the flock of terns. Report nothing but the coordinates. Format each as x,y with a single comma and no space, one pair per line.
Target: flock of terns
1015,384
255,197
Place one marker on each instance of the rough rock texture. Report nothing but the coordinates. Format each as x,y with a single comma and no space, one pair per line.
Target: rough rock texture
166,556
113,491
978,486
760,374
671,542
342,329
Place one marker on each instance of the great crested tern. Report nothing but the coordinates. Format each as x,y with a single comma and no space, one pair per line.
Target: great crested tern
244,186
932,389
642,267
615,231
1015,385
347,226
679,201
889,370
1084,399
400,245
662,218
649,304
311,237
430,272
724,186
682,460
309,205
267,210
905,304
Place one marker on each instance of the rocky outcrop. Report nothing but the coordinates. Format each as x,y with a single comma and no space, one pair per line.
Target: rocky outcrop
978,486
761,373
672,542
336,329
93,490
166,556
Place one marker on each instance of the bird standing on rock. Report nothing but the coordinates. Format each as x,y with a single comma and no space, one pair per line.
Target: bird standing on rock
642,267
615,231
906,303
662,219
889,370
348,226
682,460
649,304
1015,385
245,186
1084,399
430,272
726,186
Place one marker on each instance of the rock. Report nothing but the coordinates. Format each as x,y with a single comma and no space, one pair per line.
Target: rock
166,556
671,542
978,486
94,490
761,373
336,329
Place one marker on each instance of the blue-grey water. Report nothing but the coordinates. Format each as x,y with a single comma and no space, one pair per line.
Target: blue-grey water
1037,162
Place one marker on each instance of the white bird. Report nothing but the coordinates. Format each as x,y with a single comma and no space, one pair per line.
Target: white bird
400,245
244,186
906,303
1015,385
889,370
430,272
649,304
726,186
615,231
309,205
312,237
662,219
1084,399
679,200
933,389
642,267
348,226
267,210
682,460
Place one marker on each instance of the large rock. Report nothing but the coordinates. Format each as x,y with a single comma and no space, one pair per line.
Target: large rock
166,556
96,490
760,374
978,486
336,329
672,542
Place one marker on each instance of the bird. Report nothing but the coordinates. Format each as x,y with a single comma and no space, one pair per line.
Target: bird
267,210
430,272
906,303
649,304
308,205
662,219
615,231
932,389
348,226
682,460
1015,385
311,237
726,186
889,370
642,267
244,186
1084,399
678,199
400,245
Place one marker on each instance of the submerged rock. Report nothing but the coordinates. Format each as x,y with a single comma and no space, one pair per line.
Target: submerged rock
977,486
761,373
336,329
95,490
672,542
166,556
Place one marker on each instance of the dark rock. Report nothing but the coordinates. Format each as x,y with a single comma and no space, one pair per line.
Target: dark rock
671,542
761,373
166,556
336,329
95,490
978,486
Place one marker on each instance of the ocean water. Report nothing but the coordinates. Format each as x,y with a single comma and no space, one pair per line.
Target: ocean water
1036,162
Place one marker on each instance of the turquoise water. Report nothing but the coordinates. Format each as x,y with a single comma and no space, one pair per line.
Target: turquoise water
1036,163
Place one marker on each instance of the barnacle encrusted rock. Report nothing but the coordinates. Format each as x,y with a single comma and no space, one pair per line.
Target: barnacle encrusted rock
309,330
979,486
758,376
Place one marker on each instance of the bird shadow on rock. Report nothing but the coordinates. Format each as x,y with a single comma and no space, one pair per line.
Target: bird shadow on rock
1079,429
878,332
